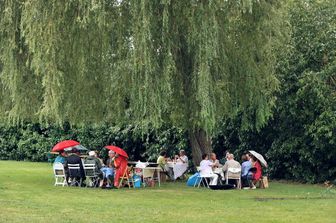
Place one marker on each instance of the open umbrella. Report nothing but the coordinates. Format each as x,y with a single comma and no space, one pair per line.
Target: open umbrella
118,150
259,157
79,148
64,145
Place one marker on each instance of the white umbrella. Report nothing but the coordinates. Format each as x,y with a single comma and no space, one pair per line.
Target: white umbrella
259,157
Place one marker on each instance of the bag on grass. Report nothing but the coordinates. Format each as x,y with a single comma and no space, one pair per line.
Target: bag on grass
265,182
137,181
192,180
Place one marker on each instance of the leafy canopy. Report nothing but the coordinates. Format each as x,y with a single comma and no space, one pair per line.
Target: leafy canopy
190,63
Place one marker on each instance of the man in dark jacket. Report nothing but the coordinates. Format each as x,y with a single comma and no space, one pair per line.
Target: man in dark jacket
75,175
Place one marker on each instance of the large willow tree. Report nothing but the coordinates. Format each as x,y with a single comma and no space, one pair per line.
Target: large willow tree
146,62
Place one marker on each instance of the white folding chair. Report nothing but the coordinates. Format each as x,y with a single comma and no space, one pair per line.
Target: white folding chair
59,172
235,174
201,178
74,175
91,175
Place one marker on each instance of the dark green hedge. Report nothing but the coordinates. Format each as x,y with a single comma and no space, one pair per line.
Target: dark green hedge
292,153
33,141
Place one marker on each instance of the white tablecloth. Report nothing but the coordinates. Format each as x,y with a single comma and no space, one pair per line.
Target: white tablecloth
179,168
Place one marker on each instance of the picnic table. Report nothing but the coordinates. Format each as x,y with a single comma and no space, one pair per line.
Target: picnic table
148,172
179,168
152,172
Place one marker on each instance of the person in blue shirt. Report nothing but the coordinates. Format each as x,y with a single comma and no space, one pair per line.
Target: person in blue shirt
60,158
246,166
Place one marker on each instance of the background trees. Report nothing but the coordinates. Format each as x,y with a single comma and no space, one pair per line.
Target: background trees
299,140
188,63
209,68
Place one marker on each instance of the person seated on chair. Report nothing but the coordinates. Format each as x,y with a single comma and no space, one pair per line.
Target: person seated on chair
74,158
181,164
206,169
120,168
215,161
216,165
60,158
162,161
257,174
108,169
224,158
93,159
246,175
231,163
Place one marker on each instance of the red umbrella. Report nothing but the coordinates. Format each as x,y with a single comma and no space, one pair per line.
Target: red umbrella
118,150
64,144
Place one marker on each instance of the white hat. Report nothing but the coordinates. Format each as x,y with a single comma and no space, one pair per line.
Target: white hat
92,153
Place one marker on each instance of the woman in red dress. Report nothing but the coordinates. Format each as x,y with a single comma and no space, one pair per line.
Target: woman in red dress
120,165
257,174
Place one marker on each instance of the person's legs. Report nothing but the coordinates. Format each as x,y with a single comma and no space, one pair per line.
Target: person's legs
214,179
250,181
245,182
108,175
169,172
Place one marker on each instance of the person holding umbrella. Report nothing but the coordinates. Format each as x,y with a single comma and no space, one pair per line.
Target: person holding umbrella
120,163
257,174
257,160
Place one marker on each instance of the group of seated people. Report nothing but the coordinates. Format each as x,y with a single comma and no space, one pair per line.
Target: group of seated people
108,173
249,171
179,164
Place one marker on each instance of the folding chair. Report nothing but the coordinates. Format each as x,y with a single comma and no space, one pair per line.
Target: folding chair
128,177
236,176
74,175
91,175
201,178
59,172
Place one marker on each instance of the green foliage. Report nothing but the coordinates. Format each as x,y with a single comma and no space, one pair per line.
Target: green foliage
33,141
299,141
147,63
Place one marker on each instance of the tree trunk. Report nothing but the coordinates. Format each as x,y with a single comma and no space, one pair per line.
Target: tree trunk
200,144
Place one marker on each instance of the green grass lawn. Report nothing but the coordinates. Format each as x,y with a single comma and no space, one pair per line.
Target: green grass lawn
27,194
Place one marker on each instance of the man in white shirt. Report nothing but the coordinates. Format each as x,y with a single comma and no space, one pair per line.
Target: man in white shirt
206,170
